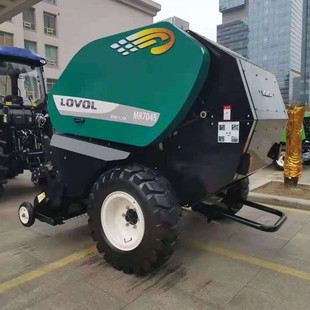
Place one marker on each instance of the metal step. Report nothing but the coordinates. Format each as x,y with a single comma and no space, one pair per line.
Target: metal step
216,210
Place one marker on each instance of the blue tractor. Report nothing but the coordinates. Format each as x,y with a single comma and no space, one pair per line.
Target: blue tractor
25,127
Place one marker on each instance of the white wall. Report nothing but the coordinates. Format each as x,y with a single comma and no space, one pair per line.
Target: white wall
108,17
78,23
9,9
15,26
42,39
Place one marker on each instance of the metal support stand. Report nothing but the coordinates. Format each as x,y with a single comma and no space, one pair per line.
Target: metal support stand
214,211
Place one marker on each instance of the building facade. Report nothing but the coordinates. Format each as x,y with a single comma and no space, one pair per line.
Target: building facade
9,9
178,22
234,31
305,88
58,29
235,36
269,33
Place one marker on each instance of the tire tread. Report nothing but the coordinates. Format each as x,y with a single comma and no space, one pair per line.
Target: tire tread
159,193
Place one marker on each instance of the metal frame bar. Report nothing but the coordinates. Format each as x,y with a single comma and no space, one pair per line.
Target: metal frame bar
267,228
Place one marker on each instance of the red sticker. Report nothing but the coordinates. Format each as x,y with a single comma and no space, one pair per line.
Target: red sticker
227,113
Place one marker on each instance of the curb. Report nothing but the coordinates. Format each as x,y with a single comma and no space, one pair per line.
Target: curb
280,201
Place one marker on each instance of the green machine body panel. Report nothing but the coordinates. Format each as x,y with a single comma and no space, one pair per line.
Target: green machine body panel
132,88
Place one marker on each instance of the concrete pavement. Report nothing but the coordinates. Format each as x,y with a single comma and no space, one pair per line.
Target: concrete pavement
220,265
270,174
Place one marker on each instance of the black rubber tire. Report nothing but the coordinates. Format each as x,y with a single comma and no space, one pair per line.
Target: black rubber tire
3,179
279,167
161,211
1,190
3,170
12,173
30,210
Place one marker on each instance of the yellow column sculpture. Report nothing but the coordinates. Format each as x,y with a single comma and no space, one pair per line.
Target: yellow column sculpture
293,159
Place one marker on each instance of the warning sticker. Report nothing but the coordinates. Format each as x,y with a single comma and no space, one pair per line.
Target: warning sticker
41,197
228,132
227,113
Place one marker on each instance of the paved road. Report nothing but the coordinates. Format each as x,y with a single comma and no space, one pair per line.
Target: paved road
216,265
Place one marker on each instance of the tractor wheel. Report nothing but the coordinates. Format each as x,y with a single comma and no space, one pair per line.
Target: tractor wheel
26,214
3,179
134,217
12,173
279,163
1,190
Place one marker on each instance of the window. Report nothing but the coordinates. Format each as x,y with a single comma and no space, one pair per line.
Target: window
23,80
31,46
51,1
50,24
28,19
50,84
51,53
6,38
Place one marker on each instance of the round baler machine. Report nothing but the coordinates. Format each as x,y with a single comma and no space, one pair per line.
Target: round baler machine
147,122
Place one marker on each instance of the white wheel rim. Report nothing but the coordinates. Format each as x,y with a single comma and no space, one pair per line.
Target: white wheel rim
24,215
281,159
122,221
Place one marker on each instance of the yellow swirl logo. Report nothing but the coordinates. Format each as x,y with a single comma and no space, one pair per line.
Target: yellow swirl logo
144,39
